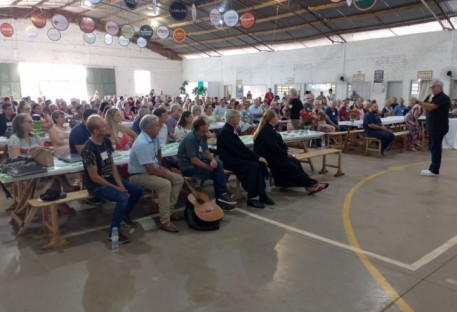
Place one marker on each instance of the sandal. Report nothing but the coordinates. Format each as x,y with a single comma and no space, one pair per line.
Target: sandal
324,185
314,189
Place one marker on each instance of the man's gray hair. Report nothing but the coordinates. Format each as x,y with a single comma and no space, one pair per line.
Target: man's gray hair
437,82
293,92
147,121
231,113
175,107
143,111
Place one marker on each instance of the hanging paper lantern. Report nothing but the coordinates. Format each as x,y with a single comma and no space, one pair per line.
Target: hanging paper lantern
87,25
178,10
38,19
131,4
54,34
215,17
146,32
141,42
7,29
231,18
194,13
179,35
111,28
59,22
247,20
163,32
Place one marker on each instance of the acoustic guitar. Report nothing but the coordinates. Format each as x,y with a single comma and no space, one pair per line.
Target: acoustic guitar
205,209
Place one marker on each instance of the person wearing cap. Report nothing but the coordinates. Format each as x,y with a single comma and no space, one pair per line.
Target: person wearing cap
80,134
102,179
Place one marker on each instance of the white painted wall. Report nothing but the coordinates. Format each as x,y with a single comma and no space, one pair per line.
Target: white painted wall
399,57
166,75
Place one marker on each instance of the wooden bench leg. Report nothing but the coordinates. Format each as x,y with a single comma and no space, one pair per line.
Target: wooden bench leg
324,164
339,173
56,239
28,219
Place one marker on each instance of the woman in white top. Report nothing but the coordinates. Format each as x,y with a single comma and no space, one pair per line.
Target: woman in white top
59,134
22,139
184,126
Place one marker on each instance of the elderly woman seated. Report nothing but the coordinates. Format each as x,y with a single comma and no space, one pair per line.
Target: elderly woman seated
286,170
23,140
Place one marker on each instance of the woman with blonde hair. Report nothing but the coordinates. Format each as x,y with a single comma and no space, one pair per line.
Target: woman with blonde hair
59,134
121,136
287,171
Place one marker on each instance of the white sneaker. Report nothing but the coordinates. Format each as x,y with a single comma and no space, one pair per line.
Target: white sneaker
428,173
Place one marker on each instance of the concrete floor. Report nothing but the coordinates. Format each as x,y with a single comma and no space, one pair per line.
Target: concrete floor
296,256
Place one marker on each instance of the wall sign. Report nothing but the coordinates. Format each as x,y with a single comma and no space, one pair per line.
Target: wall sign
7,29
231,18
179,35
364,5
87,25
163,32
178,10
425,74
146,32
358,78
38,19
247,20
378,75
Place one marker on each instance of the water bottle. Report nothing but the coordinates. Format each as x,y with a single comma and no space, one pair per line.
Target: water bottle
323,142
115,239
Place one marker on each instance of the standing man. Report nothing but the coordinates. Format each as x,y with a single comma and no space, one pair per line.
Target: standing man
195,160
437,124
146,170
373,127
295,106
102,178
249,168
269,96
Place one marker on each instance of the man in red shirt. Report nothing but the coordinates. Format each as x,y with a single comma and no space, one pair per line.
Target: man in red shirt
269,96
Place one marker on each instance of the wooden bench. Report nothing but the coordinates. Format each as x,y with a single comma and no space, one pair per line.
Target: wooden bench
352,138
336,139
306,158
402,135
51,226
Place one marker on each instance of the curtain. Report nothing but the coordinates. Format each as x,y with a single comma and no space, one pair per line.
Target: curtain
424,89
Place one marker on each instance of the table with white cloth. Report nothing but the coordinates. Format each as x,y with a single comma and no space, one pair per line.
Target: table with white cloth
391,120
450,139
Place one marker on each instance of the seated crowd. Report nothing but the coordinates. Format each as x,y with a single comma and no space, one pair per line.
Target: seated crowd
97,128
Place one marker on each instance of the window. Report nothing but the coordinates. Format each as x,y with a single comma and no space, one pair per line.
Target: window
414,88
10,83
142,81
316,88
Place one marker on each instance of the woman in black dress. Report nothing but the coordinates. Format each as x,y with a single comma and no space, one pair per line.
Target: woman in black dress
286,170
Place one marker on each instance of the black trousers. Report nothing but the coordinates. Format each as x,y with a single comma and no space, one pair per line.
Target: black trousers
252,175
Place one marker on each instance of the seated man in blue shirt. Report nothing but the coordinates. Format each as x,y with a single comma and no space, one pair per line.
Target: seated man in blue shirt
136,124
146,170
401,109
79,134
373,127
195,160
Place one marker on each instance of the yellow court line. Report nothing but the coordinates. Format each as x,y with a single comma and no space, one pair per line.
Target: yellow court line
354,242
394,296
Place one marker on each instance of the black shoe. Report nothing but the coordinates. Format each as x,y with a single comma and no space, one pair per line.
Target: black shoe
255,203
226,199
128,222
122,238
224,206
266,200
